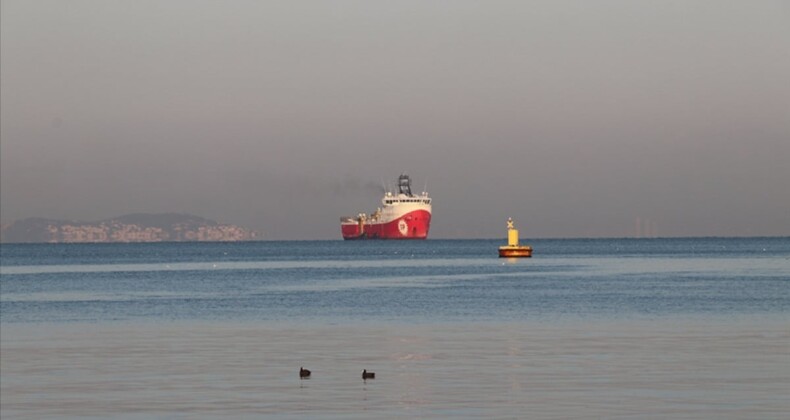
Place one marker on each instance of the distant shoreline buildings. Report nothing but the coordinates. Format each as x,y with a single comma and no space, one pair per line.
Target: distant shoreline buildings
141,227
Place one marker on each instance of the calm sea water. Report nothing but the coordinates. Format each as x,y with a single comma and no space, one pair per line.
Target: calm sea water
650,328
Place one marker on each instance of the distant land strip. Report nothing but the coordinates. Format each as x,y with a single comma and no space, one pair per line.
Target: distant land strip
138,227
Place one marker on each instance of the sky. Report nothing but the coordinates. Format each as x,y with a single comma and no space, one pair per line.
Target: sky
576,118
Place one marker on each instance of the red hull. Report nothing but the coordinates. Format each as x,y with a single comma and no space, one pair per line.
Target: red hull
412,225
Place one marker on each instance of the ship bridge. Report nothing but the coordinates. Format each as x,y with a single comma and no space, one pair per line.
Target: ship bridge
390,199
405,196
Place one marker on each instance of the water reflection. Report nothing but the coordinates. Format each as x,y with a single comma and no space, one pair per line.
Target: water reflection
579,369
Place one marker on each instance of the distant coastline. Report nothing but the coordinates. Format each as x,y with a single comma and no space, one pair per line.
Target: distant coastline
138,227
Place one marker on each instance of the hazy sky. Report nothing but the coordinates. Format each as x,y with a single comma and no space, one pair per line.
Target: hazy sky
576,118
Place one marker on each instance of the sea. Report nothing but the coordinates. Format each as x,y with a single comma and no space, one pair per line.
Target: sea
690,328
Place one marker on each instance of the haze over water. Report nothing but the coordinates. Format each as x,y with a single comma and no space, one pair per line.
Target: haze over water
575,118
651,328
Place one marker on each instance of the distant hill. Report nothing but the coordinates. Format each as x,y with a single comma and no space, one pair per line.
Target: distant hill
137,227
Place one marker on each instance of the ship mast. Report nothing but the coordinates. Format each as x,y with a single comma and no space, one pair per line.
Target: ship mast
404,185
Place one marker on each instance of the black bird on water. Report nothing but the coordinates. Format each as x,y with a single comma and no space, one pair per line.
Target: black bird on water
368,375
304,373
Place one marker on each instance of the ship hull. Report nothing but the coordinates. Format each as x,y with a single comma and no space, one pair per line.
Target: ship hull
411,225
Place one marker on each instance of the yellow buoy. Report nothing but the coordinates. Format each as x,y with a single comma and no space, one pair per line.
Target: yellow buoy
513,249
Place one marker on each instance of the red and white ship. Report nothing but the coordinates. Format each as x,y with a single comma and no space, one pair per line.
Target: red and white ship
401,216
